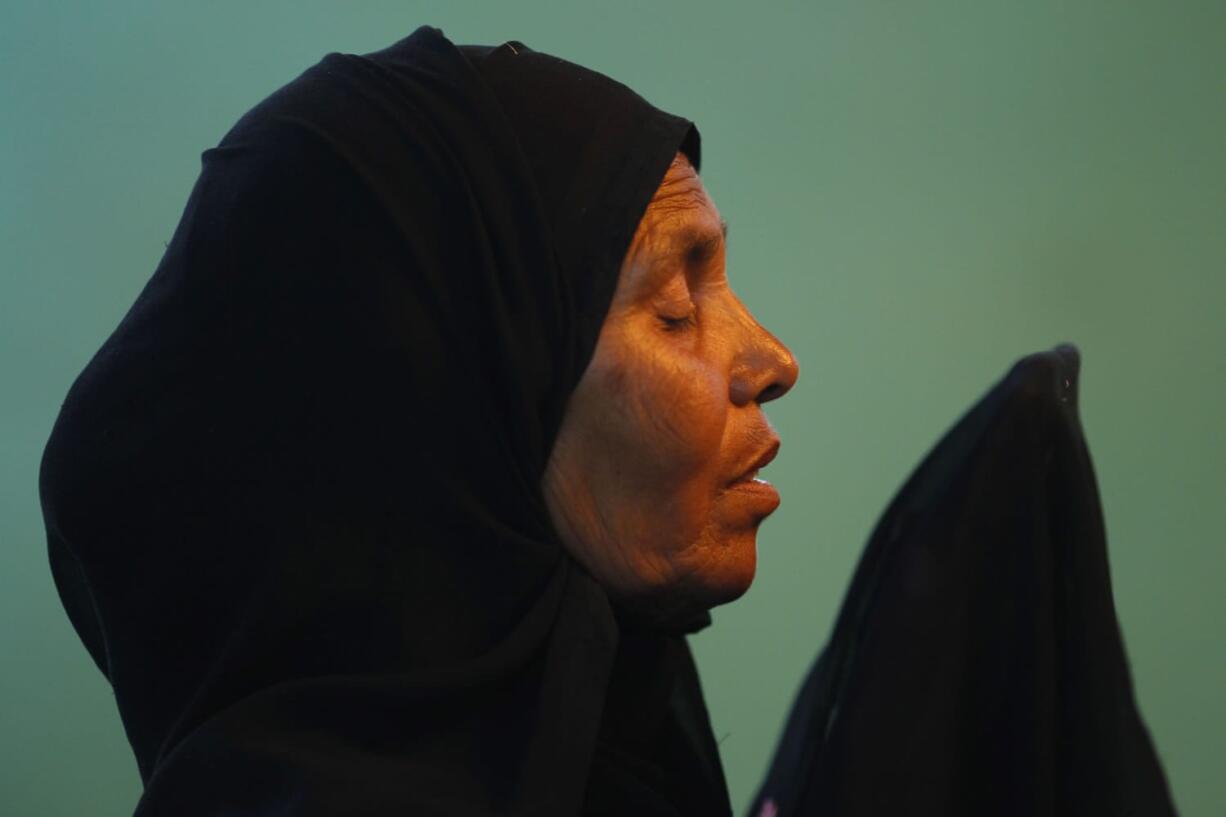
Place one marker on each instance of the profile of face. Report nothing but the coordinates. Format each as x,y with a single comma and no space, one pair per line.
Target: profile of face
651,483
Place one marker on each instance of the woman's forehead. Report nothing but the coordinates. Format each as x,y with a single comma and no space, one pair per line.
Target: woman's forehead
680,212
681,187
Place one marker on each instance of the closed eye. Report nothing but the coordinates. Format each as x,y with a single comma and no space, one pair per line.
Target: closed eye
678,324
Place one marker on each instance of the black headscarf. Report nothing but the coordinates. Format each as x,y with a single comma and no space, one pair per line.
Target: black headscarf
293,503
976,667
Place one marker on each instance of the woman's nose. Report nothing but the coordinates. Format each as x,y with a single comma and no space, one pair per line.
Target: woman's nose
766,371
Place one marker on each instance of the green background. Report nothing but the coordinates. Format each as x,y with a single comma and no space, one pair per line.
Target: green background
918,193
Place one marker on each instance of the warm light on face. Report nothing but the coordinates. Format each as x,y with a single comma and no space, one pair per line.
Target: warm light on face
650,480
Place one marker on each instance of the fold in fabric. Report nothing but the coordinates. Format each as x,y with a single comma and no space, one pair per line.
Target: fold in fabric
976,666
293,502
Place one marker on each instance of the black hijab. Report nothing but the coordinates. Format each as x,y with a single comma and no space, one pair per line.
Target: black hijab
976,667
292,503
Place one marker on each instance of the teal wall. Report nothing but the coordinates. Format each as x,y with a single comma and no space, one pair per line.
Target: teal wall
918,193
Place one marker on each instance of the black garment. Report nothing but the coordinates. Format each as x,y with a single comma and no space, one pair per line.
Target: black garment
976,667
293,505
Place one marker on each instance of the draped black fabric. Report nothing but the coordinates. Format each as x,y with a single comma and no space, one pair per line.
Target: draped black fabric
293,502
976,666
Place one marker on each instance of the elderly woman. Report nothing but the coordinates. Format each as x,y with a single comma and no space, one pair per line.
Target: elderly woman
436,429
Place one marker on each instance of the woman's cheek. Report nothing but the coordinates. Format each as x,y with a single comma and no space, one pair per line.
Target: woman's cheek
665,412
691,407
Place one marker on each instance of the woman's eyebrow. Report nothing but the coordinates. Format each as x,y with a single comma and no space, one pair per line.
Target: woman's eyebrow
696,246
692,247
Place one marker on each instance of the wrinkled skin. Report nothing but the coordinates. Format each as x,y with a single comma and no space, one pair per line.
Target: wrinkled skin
667,414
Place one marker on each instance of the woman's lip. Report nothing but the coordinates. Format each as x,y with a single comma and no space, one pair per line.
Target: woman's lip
760,462
757,489
752,484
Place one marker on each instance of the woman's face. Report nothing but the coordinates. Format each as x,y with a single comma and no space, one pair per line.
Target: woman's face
642,480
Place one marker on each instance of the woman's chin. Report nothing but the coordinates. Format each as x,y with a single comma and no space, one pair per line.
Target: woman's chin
715,571
725,575
736,573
